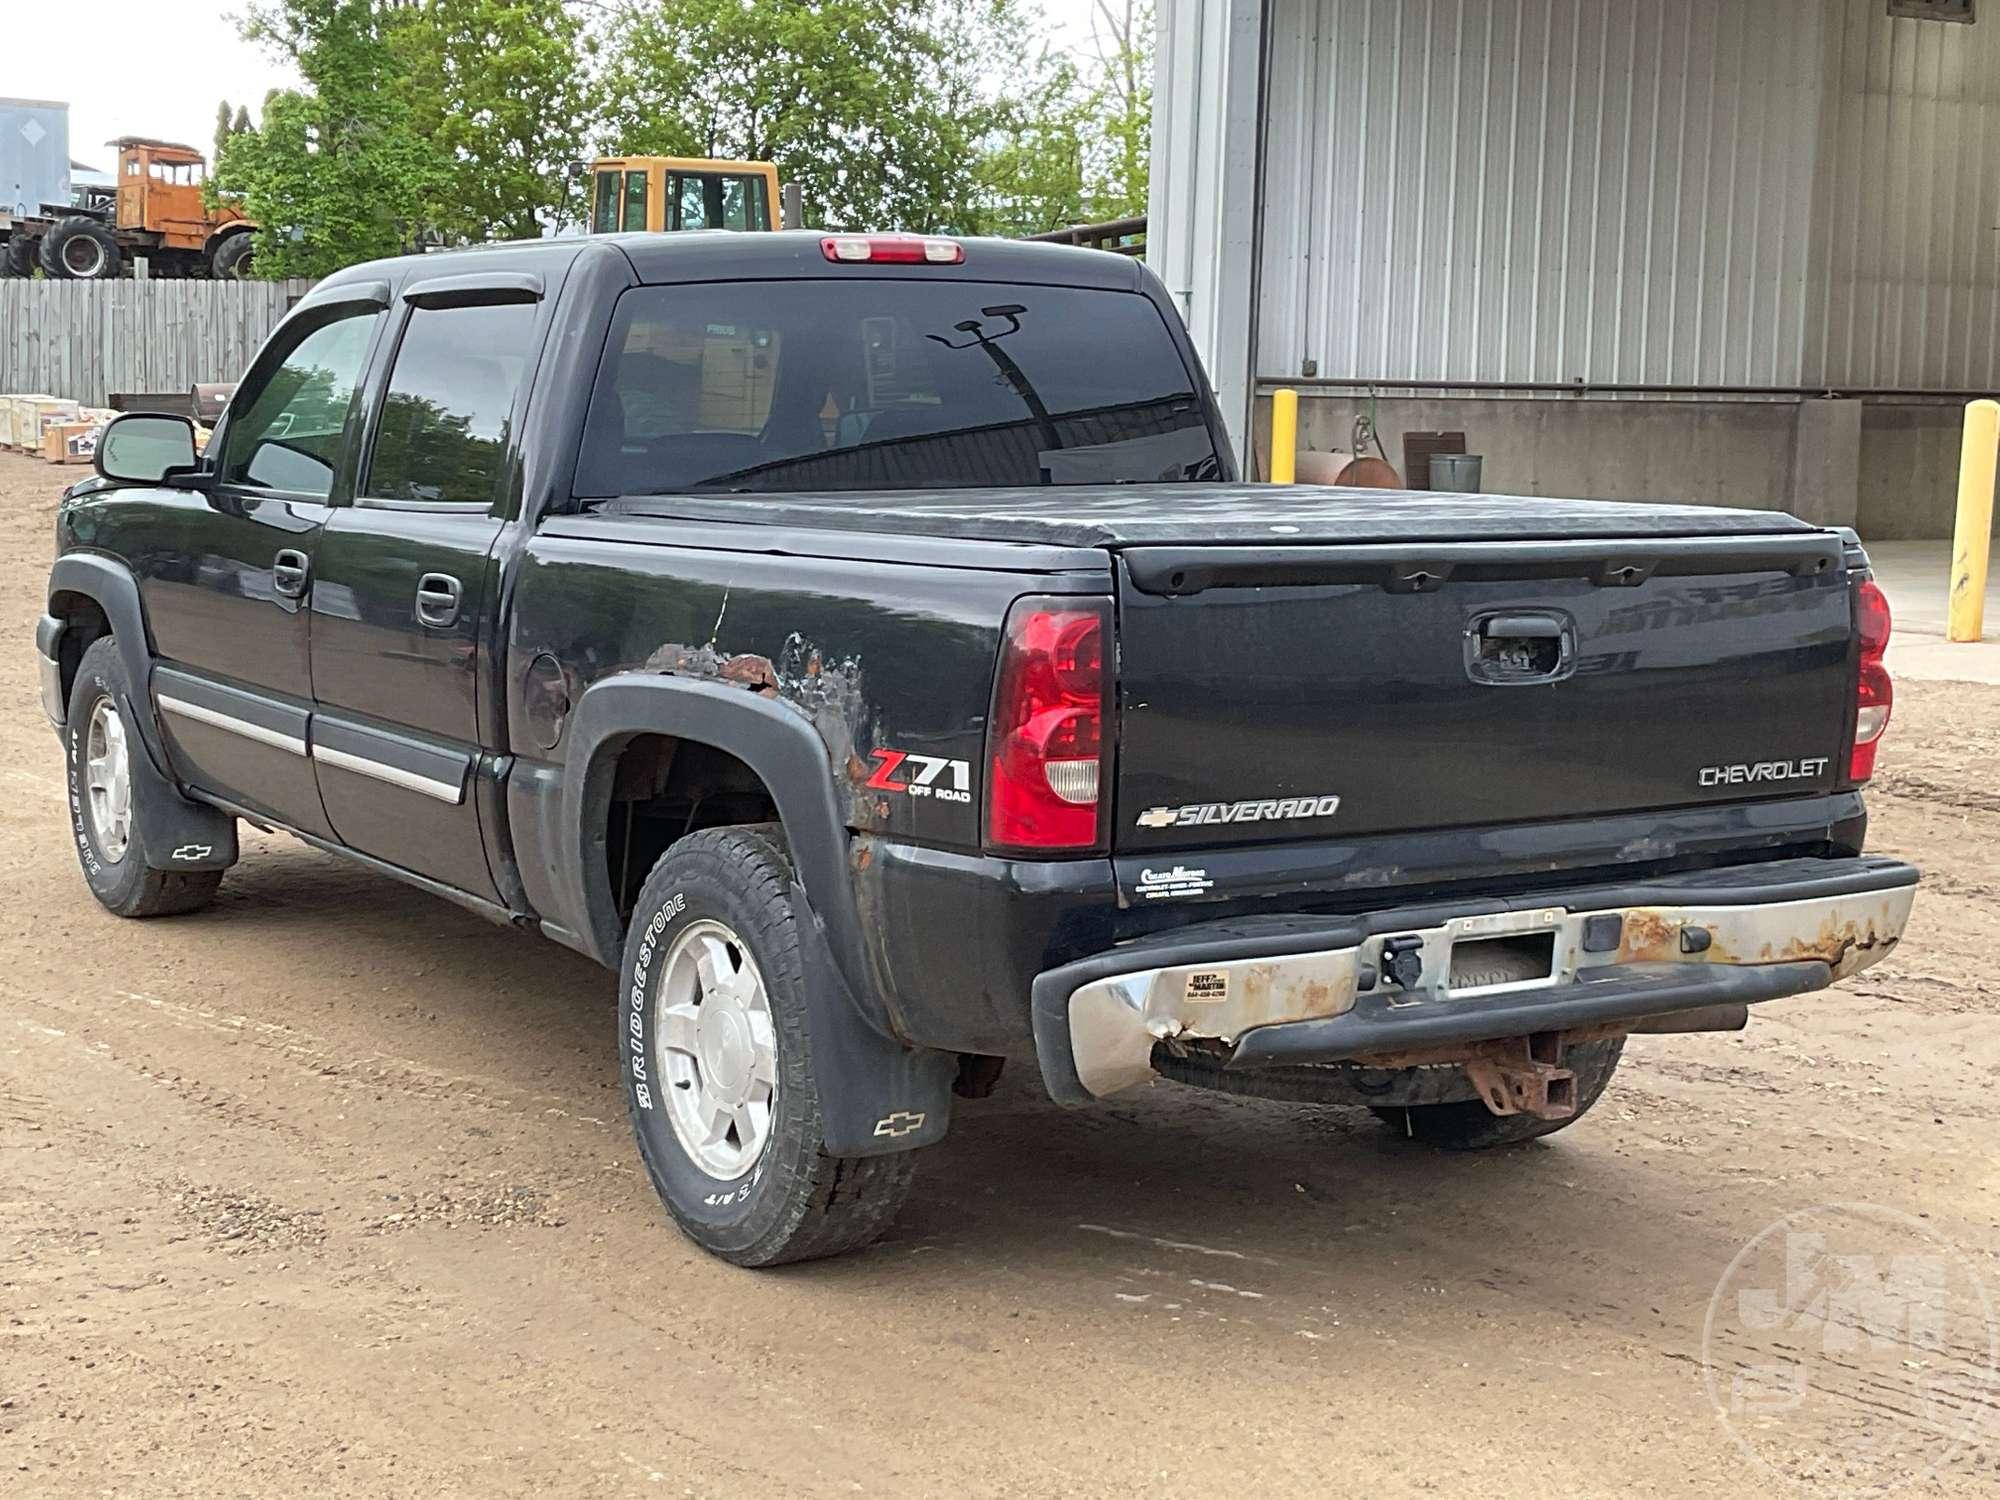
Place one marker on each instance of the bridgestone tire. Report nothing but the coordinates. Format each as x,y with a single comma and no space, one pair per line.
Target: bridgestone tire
795,1202
126,885
1471,1126
92,247
231,260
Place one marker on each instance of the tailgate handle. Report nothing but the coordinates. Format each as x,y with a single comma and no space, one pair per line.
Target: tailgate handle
1513,649
1522,627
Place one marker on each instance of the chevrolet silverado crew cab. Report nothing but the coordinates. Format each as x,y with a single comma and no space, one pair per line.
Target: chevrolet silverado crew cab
865,646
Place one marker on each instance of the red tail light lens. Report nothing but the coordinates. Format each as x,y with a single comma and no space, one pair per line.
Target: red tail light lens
891,250
1874,694
1046,743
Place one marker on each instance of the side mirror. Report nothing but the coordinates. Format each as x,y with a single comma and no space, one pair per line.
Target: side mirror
145,447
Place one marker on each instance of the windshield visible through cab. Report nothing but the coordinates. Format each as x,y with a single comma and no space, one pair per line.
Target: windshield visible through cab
762,387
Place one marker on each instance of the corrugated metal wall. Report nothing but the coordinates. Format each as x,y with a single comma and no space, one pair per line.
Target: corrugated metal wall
1700,192
86,339
1907,228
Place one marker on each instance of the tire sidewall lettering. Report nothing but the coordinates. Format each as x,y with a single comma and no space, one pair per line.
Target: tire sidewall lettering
642,1076
95,869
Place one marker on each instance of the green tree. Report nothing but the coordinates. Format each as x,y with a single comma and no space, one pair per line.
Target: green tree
875,108
1123,40
1030,169
417,121
339,170
500,89
1071,144
223,120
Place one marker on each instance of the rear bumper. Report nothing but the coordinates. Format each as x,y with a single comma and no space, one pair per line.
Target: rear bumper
1316,989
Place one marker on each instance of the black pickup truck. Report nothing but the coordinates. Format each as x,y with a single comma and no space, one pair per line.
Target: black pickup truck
865,645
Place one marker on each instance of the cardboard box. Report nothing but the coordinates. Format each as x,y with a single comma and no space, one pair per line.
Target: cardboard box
70,442
8,404
26,416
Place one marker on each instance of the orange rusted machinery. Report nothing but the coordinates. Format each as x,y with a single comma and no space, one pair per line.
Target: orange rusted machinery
158,212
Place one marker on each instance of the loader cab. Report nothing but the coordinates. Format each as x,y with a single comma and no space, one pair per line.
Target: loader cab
631,193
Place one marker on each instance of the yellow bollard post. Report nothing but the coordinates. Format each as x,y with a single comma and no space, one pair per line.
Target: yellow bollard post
1973,533
1284,436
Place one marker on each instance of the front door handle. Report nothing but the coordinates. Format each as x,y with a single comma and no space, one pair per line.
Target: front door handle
289,570
438,596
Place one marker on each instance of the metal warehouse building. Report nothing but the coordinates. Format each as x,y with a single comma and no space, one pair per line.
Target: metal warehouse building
1737,251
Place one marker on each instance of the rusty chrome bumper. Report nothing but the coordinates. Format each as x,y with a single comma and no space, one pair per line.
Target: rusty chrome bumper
1324,989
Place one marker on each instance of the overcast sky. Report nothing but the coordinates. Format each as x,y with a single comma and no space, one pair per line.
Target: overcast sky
158,67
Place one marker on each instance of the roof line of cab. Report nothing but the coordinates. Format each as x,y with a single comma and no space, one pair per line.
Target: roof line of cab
784,255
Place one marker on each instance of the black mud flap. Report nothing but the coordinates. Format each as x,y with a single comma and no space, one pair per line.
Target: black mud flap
876,1096
176,834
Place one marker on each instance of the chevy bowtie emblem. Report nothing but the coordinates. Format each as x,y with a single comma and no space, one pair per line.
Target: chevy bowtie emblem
902,1122
1158,817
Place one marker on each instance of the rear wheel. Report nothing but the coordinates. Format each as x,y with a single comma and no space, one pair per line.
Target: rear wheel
718,1065
108,804
1470,1126
17,256
230,260
79,249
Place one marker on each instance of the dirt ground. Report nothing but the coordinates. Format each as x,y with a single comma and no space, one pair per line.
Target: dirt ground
329,1189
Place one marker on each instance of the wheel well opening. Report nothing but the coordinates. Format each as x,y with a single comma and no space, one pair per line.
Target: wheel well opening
664,788
84,624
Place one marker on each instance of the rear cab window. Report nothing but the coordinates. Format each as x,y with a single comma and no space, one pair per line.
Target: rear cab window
883,384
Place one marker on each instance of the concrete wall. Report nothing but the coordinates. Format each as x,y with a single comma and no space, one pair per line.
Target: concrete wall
1909,468
1889,469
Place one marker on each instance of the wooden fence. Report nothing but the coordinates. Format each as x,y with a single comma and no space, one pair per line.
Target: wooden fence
86,339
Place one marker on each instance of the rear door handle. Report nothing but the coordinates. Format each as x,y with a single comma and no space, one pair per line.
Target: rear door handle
438,596
289,570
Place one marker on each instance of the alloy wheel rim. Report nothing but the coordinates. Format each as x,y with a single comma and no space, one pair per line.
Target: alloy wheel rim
718,1049
107,774
83,257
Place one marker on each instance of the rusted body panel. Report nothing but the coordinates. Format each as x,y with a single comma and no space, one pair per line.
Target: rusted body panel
1847,936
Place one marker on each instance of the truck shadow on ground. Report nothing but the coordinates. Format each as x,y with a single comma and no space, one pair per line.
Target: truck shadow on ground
1160,1198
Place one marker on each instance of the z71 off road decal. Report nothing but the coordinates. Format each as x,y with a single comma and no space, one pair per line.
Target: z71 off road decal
921,775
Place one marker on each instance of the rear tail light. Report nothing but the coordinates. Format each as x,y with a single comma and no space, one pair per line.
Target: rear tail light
1047,749
1874,694
891,250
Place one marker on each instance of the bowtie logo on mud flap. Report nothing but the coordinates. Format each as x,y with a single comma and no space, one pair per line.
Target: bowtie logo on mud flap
902,1122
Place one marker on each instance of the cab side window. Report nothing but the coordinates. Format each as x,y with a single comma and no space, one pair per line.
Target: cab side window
288,438
635,200
448,415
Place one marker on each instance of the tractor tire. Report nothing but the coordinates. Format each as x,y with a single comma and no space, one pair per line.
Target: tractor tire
80,249
230,259
17,256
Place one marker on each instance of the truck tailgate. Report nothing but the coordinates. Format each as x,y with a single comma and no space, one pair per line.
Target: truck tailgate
1284,693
